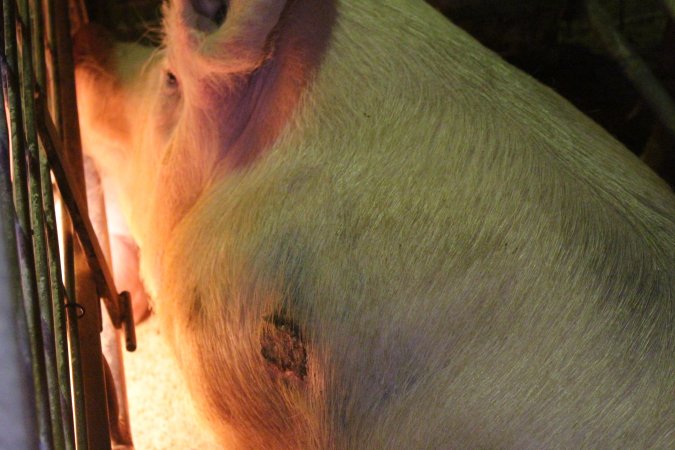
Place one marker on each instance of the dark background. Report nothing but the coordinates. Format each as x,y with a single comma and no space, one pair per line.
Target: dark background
553,40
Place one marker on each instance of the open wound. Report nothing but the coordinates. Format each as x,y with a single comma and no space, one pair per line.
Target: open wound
283,348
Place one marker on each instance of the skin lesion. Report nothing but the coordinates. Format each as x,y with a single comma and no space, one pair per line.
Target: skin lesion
283,348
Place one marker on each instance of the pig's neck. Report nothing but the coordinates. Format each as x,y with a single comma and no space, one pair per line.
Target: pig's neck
159,194
231,130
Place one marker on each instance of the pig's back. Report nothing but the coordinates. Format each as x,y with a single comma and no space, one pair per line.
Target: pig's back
472,263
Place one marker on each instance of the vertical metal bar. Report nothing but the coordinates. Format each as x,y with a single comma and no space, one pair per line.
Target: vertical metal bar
53,256
90,324
18,425
81,434
58,306
52,63
78,403
37,39
111,337
26,260
38,224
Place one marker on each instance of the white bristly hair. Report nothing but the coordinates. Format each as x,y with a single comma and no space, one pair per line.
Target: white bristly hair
469,260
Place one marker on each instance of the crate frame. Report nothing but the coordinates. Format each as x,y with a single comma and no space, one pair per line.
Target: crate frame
52,313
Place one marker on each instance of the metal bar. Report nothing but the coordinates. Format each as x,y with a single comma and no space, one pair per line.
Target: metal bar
83,226
53,254
58,305
38,223
18,424
37,39
26,262
670,6
120,424
79,404
634,67
95,399
110,336
98,425
85,270
72,308
52,63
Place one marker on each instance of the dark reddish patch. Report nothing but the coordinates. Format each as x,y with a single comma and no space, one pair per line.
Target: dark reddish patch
283,348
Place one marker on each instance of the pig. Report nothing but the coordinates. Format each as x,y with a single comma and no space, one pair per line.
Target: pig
360,229
121,252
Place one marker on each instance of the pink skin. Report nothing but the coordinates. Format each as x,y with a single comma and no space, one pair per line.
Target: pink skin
125,265
94,50
125,262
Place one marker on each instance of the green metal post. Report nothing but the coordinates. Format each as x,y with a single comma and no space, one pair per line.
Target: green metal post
71,308
38,223
53,254
18,421
26,259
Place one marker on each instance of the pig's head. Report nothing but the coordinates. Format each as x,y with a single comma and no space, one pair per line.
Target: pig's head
162,123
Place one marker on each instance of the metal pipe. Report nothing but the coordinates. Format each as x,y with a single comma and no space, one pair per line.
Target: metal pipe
110,337
634,67
670,6
38,223
58,306
89,325
72,314
52,62
79,215
26,261
18,424
53,254
75,385
120,424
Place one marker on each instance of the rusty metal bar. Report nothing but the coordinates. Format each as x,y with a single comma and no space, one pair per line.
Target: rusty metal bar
37,39
53,253
635,68
58,304
64,323
96,402
37,219
52,61
72,312
26,259
83,226
73,316
120,423
110,336
18,425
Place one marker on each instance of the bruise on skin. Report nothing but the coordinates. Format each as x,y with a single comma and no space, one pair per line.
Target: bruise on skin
282,346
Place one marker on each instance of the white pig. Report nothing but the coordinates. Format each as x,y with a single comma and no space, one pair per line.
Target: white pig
363,230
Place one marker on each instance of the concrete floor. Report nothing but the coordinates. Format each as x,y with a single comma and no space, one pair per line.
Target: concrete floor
162,415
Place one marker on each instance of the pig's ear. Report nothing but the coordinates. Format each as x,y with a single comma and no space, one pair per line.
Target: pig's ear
222,36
